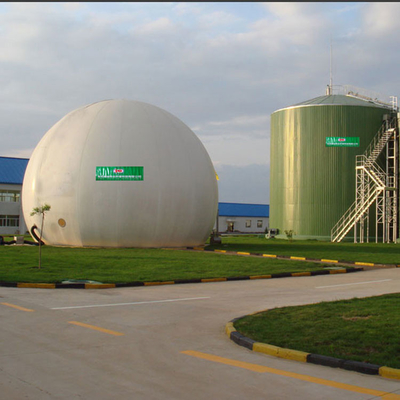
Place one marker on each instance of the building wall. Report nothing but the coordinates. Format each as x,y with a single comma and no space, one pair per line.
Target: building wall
240,224
11,218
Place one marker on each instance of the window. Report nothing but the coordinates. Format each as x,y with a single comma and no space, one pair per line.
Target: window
259,223
11,196
9,220
248,223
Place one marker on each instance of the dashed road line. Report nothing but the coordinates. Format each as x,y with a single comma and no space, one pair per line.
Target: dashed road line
130,304
350,284
17,307
96,328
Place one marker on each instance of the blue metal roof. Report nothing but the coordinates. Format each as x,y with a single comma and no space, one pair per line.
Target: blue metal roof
243,210
12,170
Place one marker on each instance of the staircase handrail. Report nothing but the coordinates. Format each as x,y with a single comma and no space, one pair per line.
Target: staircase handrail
374,170
385,127
377,183
354,213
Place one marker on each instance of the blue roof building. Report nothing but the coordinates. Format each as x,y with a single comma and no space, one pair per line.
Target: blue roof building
12,170
243,210
242,218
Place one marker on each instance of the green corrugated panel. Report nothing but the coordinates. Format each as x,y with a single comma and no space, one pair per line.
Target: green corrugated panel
312,185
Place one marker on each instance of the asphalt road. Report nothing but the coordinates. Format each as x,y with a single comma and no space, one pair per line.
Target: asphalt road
169,342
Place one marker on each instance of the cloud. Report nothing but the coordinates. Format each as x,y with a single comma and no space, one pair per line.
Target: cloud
222,68
217,18
184,8
73,6
380,20
160,26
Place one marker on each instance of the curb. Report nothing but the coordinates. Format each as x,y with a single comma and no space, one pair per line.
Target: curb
293,258
295,355
175,282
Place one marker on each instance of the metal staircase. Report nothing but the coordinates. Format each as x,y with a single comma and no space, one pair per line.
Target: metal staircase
373,184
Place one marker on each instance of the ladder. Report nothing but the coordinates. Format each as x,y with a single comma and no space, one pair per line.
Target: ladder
373,184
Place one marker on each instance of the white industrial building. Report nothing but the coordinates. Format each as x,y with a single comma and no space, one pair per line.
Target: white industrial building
12,172
242,218
121,173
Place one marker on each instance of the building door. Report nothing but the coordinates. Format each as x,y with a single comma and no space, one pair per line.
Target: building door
231,226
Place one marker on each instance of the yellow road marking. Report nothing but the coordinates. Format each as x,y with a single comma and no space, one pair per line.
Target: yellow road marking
364,263
220,251
99,286
243,253
159,283
332,261
37,285
18,307
96,328
297,258
214,280
269,255
260,277
301,273
301,377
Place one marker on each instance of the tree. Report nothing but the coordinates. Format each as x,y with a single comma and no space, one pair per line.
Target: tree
41,211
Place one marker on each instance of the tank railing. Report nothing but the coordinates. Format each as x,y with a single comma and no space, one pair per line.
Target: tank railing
380,139
375,97
354,212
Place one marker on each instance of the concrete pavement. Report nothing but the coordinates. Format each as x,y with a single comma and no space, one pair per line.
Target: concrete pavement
136,342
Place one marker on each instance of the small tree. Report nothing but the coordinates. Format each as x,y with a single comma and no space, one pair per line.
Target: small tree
41,211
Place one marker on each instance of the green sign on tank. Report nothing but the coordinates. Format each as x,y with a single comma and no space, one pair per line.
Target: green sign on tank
342,141
119,173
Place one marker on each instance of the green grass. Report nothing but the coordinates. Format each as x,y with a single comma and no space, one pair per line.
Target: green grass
384,253
19,264
364,330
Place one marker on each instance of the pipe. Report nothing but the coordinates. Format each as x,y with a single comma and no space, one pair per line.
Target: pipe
33,233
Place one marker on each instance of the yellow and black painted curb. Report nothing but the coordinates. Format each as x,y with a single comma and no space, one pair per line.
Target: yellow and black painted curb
83,285
293,258
357,366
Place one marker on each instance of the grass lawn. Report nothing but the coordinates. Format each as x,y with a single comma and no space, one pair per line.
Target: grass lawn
19,264
379,253
364,329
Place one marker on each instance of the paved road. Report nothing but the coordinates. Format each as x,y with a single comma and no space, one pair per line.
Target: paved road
168,342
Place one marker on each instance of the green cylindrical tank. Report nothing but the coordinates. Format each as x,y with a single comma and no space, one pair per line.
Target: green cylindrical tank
311,183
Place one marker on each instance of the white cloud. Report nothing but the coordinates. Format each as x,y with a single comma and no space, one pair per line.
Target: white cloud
381,20
219,69
184,8
217,18
73,6
160,26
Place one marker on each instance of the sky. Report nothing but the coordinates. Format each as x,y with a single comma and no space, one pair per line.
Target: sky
221,67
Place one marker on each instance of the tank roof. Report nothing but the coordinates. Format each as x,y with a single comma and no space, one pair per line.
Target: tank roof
337,100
